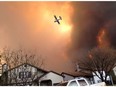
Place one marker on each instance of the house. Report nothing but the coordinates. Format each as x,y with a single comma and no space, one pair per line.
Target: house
113,75
24,74
50,77
67,76
77,74
27,74
98,80
114,70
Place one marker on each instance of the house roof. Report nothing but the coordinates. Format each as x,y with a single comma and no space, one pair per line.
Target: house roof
55,73
67,74
29,65
48,73
78,74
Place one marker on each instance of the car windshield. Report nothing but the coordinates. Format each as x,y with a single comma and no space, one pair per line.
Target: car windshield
82,82
73,83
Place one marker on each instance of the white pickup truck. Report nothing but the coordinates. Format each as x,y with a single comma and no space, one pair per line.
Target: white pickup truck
80,82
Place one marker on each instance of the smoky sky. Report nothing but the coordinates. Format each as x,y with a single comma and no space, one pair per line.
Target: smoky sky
31,24
88,19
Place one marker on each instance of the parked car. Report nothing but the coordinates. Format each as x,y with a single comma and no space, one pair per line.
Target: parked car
80,82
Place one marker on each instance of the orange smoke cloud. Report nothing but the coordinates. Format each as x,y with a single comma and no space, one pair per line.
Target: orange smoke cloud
31,24
59,9
52,36
102,38
43,21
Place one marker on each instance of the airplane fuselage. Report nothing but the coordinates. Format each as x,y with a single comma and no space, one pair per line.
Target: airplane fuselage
57,20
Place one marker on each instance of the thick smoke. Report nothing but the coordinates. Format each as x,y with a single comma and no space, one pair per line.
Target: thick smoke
88,20
31,25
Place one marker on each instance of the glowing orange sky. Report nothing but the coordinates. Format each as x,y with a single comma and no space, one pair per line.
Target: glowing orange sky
31,24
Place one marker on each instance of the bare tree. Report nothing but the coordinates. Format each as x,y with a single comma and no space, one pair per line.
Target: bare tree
14,58
100,59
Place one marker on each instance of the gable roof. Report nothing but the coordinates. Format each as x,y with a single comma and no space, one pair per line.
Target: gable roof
50,72
78,74
67,74
29,65
55,73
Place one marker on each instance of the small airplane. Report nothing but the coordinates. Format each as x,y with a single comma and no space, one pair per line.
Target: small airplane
57,20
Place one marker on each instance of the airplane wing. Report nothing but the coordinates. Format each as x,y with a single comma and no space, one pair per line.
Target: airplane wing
55,17
58,22
60,17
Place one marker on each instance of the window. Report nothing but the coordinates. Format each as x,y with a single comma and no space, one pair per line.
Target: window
46,83
82,83
25,74
99,81
21,74
28,74
73,83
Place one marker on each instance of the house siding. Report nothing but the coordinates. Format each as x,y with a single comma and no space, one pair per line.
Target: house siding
53,77
67,77
13,78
